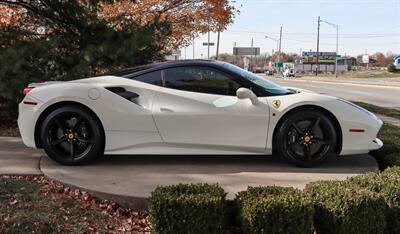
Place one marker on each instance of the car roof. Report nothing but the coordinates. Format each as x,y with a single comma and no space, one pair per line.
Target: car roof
164,65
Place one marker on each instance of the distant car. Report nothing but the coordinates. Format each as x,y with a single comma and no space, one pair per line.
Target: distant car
289,72
191,107
257,70
269,72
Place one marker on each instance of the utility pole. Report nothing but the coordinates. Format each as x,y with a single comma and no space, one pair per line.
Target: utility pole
337,50
280,46
319,23
337,44
234,45
193,48
251,57
208,45
217,45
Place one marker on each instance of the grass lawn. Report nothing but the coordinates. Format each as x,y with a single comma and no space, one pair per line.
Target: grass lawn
389,154
370,74
380,110
38,205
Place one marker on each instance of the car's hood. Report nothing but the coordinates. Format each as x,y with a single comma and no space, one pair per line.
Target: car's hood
299,90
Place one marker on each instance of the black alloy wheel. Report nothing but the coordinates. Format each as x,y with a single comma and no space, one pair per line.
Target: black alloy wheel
72,136
306,138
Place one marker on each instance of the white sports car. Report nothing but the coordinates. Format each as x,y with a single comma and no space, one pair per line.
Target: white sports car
191,107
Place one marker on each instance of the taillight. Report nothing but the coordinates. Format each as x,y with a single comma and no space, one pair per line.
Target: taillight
27,90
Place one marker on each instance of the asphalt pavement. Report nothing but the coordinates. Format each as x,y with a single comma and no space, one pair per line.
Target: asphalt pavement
377,92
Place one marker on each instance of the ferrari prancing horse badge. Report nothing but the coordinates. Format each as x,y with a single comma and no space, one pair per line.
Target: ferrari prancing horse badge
276,104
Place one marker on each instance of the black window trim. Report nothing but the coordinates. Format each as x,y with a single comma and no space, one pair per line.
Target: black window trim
243,82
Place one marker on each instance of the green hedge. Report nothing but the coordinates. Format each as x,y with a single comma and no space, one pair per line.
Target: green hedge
274,210
386,184
343,209
187,208
364,204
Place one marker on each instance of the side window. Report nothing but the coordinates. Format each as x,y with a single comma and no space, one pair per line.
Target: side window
153,78
200,79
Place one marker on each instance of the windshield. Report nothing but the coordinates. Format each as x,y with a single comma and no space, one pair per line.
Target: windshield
267,85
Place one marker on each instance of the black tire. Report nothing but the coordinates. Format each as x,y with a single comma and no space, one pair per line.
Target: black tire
71,135
306,138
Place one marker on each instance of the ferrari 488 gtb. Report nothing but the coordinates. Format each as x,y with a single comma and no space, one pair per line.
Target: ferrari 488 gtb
191,107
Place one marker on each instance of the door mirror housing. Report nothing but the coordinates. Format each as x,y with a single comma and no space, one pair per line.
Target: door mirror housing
244,93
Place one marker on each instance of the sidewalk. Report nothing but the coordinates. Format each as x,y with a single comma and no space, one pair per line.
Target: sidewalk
17,159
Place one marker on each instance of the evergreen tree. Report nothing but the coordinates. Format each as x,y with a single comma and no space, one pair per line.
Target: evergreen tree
65,40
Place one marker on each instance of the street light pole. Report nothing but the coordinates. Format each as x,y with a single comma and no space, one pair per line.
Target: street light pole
193,48
277,46
217,46
208,45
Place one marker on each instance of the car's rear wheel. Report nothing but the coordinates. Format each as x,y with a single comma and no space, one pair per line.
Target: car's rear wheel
71,136
306,138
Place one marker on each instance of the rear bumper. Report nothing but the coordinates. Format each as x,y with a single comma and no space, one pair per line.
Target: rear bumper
376,144
27,117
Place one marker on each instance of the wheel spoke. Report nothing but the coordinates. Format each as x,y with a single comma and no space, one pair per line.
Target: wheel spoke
315,124
293,144
78,120
58,141
320,141
71,149
307,152
83,140
59,124
297,128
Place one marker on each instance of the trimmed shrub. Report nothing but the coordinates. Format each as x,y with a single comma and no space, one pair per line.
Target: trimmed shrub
393,172
342,209
391,68
187,208
274,210
387,184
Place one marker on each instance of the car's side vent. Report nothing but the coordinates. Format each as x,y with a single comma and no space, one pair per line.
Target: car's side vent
116,89
131,96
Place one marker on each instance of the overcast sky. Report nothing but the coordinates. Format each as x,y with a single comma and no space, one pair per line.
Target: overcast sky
364,25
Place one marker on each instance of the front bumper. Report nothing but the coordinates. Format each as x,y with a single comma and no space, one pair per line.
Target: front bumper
376,144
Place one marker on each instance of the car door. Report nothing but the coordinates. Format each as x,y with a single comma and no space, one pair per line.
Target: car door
198,105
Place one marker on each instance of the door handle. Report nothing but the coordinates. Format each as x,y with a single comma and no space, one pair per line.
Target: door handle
167,110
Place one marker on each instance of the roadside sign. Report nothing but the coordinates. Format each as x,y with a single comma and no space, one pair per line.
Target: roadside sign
279,65
206,44
246,51
365,58
310,57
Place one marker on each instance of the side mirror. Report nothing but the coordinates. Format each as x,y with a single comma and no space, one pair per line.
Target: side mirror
244,93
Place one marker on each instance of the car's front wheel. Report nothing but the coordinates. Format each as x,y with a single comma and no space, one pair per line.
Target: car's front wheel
71,135
306,138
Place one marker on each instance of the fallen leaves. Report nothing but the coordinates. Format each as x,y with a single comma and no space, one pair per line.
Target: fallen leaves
116,218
